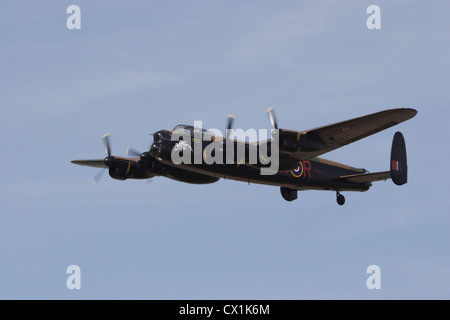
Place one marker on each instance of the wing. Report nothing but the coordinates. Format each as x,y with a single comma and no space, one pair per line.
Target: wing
314,142
91,163
367,177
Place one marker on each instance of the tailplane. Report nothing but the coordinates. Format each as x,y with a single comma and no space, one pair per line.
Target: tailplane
399,165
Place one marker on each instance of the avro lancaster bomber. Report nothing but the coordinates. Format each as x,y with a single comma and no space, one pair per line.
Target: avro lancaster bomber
295,153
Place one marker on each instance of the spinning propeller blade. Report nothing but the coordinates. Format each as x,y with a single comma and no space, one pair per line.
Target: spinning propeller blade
99,176
132,152
107,144
272,118
229,126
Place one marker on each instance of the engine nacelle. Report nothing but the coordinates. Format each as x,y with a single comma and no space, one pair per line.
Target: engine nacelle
117,173
122,170
294,141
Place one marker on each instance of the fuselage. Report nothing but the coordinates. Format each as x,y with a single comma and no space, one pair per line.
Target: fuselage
315,173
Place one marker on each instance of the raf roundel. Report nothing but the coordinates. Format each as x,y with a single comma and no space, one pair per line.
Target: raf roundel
299,171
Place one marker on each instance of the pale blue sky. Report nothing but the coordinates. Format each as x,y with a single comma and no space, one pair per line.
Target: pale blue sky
139,66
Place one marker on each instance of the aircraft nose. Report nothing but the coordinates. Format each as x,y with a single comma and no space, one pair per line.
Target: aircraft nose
161,135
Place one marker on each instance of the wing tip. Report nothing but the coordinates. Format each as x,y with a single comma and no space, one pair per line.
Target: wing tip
97,163
78,162
411,112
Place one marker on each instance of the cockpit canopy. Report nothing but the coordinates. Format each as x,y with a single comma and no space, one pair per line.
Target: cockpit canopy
192,131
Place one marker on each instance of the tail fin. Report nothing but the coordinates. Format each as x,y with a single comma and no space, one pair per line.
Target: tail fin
399,165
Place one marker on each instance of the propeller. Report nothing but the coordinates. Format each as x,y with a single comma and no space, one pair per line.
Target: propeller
117,164
109,160
230,120
145,157
132,152
107,144
272,118
98,176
